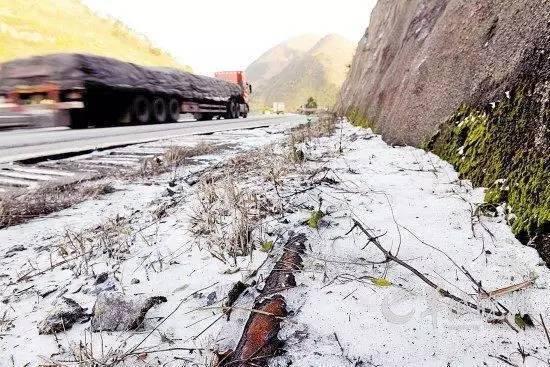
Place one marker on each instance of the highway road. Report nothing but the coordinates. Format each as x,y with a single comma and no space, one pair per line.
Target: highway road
17,145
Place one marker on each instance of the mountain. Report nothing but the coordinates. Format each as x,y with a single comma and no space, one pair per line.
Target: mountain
273,61
31,27
303,67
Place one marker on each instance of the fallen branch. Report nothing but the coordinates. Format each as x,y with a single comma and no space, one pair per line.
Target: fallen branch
545,329
512,288
441,291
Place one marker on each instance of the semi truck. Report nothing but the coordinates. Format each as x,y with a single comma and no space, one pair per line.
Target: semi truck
85,90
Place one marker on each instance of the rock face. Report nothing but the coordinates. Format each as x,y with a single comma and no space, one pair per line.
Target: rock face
113,311
421,59
471,80
62,317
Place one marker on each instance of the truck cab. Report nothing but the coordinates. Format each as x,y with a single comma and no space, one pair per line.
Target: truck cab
239,78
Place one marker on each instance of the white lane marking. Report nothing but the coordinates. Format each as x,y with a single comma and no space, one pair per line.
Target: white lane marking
41,171
26,176
118,158
108,162
7,181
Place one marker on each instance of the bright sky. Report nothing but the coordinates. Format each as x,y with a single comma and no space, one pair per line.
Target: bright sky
215,35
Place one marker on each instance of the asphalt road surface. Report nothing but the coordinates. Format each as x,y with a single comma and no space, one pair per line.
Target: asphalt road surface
16,145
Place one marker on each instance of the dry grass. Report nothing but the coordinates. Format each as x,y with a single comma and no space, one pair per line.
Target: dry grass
112,239
94,351
226,217
233,200
325,125
19,207
174,157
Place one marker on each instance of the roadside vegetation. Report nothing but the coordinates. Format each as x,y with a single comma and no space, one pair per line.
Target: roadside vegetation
320,222
504,147
232,200
20,206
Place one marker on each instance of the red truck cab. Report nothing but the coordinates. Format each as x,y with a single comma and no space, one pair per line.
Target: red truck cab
236,77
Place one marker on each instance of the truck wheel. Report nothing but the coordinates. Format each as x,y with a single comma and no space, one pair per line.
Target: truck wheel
140,110
232,110
160,111
246,111
78,118
237,110
174,110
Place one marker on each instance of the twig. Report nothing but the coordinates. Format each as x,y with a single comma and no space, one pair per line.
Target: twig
441,291
167,317
342,349
545,329
208,327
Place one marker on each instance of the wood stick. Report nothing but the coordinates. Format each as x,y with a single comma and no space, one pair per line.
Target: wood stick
545,329
509,289
443,292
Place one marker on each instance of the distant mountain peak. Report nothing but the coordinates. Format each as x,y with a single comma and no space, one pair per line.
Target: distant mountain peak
301,67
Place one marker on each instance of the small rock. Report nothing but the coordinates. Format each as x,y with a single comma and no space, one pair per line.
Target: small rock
113,311
47,291
107,284
17,248
63,315
134,281
101,278
211,299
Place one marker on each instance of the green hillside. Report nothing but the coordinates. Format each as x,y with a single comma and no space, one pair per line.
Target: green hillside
34,27
273,61
316,71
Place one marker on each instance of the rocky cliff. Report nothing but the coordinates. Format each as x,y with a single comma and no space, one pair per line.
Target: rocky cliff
470,80
421,59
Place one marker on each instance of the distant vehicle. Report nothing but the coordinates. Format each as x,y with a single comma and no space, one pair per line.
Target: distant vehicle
88,89
278,108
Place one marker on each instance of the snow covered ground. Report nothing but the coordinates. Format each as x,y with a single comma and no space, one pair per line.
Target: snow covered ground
170,236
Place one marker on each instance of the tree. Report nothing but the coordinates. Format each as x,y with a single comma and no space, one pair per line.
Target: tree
311,103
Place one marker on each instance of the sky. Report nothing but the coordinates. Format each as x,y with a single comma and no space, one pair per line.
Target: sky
211,35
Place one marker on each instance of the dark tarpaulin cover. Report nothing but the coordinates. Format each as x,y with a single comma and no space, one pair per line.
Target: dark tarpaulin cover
79,70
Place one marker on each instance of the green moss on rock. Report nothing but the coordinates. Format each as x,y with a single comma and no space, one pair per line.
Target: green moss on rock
505,148
357,118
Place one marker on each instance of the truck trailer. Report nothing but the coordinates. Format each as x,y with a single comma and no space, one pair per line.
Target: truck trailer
86,90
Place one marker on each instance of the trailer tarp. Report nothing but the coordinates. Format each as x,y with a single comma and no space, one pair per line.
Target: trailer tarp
79,70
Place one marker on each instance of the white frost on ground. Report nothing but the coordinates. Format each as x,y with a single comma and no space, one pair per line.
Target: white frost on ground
339,316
